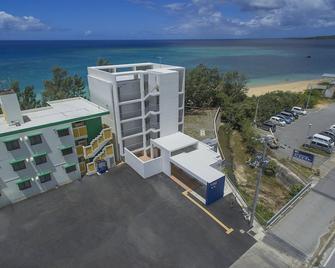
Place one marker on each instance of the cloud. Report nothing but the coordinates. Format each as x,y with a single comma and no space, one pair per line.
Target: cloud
210,16
146,3
294,14
9,22
175,6
88,33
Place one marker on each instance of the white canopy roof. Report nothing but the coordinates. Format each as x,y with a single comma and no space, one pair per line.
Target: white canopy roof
198,164
174,142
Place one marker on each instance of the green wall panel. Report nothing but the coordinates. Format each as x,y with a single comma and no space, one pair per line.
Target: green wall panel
94,127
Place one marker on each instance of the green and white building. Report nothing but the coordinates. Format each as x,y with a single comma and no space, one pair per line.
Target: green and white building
47,147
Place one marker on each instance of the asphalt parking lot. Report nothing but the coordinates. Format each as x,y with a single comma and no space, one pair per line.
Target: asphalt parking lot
296,134
118,220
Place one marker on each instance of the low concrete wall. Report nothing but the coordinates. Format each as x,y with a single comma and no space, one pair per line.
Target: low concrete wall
145,169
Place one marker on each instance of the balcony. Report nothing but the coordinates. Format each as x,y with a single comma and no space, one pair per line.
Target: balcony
131,131
132,110
98,143
80,132
129,90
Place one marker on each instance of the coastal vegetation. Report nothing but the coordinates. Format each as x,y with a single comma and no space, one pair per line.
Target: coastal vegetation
207,88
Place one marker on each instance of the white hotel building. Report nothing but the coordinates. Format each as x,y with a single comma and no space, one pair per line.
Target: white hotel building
145,100
146,104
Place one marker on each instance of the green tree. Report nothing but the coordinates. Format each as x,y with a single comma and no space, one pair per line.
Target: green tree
103,61
233,85
200,84
28,99
63,86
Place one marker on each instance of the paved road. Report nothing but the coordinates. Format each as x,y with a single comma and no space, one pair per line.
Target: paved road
294,135
300,230
116,220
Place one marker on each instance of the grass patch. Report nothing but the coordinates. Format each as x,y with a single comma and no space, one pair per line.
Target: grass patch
273,193
302,171
315,151
199,119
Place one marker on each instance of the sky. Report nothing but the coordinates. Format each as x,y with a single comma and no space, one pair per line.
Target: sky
164,19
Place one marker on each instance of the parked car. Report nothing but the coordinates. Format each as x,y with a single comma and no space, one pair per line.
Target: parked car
299,110
329,134
285,118
293,113
323,138
289,115
277,121
267,125
332,128
321,145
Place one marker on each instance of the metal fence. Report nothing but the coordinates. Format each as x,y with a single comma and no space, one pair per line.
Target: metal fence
239,198
275,218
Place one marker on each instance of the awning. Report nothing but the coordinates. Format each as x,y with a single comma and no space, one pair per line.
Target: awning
63,147
69,165
32,134
10,138
14,161
43,173
21,180
39,154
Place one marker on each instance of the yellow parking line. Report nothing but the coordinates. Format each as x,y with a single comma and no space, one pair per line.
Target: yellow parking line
228,230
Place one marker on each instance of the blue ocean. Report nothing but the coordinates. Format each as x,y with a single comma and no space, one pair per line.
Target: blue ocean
263,61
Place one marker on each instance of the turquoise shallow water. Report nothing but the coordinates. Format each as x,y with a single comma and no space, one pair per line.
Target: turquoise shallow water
262,61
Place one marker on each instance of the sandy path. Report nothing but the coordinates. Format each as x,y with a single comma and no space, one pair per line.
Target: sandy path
298,86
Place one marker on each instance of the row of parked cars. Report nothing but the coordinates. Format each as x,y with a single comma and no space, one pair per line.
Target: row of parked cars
324,140
283,118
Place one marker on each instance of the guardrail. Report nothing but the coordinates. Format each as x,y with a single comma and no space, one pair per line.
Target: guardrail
275,218
239,198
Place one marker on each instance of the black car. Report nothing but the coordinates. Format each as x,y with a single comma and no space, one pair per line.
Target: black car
296,116
267,125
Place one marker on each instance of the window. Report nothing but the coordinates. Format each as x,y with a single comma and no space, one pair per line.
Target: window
67,151
63,132
12,145
45,177
36,139
18,165
40,159
70,169
24,184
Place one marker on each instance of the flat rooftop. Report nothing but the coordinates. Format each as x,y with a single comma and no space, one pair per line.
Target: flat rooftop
57,112
198,163
175,141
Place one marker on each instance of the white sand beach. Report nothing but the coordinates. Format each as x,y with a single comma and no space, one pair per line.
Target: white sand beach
297,86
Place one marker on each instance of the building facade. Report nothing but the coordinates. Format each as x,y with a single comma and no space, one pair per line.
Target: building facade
47,147
145,100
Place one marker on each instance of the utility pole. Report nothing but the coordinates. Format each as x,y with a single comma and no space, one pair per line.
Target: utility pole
160,61
264,162
256,112
309,87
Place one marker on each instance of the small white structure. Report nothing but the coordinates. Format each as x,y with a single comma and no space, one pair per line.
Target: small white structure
145,100
180,151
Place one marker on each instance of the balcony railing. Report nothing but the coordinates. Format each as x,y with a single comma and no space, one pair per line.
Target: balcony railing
131,131
98,143
130,114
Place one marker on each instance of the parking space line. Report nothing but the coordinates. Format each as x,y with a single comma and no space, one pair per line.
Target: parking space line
227,229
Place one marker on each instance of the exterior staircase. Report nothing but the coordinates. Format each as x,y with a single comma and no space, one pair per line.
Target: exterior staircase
100,148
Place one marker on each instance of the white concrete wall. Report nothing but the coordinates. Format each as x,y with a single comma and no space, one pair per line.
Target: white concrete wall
55,162
145,169
168,90
166,165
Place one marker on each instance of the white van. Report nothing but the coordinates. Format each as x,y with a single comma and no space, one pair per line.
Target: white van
277,121
325,139
322,146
